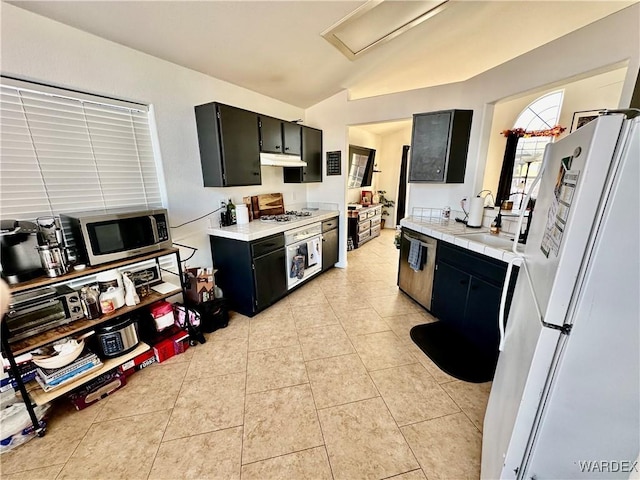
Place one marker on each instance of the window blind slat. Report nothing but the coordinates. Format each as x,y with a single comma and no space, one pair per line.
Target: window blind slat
61,154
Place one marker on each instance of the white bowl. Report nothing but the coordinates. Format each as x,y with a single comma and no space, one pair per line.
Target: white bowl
62,359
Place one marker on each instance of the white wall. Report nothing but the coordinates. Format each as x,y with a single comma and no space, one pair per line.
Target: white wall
38,49
389,164
595,92
610,41
330,116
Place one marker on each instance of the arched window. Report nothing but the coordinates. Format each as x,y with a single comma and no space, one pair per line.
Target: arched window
542,114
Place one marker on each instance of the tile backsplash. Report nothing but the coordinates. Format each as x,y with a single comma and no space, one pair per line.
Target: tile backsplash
509,220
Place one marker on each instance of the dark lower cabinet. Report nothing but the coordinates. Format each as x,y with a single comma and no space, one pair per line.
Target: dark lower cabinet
484,303
329,243
252,275
450,290
466,293
269,285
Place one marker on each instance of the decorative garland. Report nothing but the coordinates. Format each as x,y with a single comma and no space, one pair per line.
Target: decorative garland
521,132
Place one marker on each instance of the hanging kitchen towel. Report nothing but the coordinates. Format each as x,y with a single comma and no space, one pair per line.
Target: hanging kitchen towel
415,255
313,249
297,267
302,250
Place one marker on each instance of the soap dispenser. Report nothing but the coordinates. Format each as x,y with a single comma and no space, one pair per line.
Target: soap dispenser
496,224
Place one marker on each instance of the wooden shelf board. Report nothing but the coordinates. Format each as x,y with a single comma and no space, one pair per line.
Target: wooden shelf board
40,397
84,324
46,281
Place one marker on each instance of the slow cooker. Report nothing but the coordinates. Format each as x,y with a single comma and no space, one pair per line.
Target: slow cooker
117,338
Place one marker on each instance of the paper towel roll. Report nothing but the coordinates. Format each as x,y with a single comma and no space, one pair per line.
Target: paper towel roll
476,211
242,214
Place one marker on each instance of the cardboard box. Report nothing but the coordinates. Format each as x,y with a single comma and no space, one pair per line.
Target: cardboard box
99,388
201,284
138,363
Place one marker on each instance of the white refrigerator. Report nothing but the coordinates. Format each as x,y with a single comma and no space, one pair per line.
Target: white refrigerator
565,400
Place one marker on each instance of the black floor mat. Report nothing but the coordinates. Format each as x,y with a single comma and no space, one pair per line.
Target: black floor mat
453,353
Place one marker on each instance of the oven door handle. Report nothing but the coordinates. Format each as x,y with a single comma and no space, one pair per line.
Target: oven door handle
34,308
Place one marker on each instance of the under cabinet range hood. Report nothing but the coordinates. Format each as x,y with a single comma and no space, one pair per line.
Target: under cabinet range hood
281,160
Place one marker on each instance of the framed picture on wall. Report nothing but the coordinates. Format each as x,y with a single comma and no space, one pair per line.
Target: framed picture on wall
582,118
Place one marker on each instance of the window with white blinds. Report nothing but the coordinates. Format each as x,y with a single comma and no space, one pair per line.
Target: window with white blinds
63,152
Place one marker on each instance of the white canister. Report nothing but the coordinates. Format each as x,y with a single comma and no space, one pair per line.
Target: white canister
108,279
242,214
112,299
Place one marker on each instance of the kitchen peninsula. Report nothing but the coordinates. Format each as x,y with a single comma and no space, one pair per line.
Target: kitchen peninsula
259,262
463,270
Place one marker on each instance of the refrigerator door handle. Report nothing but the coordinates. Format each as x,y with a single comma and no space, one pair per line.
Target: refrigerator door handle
566,329
503,299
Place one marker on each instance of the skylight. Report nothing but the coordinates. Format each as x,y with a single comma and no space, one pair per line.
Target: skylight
377,22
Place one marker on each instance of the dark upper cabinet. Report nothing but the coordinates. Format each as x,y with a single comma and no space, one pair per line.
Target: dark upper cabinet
278,136
439,145
229,143
270,135
291,133
312,154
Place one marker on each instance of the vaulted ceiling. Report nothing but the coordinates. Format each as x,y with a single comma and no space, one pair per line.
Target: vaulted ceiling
276,48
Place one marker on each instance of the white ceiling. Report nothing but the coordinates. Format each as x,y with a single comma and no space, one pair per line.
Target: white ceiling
275,47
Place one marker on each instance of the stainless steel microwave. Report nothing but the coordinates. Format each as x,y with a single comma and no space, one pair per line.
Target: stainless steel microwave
107,235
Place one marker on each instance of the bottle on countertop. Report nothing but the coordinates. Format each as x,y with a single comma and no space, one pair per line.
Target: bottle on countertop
496,225
90,302
231,210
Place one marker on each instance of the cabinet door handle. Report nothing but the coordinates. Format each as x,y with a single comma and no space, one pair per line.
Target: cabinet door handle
256,173
438,170
286,148
277,147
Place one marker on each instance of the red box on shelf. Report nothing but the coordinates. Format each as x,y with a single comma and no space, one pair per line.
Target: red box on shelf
174,345
138,363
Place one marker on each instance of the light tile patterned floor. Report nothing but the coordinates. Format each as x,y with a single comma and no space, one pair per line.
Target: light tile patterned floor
325,384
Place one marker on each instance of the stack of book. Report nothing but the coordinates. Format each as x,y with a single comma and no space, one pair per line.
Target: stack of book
27,373
51,378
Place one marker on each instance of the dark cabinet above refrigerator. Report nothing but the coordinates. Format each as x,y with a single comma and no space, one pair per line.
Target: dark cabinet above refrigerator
439,145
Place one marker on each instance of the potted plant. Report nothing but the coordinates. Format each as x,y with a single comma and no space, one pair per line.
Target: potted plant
386,203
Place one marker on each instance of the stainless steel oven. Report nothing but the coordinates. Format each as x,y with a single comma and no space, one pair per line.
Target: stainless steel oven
304,253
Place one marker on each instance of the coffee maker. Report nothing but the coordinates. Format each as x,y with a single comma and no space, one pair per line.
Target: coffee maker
53,255
19,257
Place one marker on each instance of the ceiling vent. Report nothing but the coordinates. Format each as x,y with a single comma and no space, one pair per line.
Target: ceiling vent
377,22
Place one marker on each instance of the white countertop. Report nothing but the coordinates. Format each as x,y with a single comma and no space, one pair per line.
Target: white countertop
258,229
450,230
